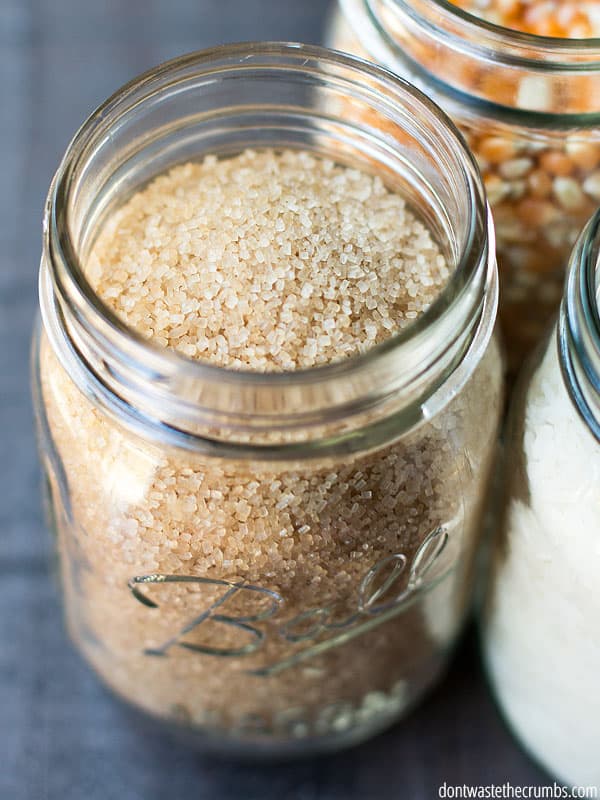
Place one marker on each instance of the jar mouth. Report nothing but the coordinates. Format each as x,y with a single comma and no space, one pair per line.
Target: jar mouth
563,47
579,327
472,62
555,52
123,356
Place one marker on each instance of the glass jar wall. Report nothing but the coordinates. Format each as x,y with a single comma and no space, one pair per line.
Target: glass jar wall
540,626
528,107
275,562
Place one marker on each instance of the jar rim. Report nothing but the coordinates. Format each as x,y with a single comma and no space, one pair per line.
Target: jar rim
547,83
578,330
70,285
558,45
57,221
565,51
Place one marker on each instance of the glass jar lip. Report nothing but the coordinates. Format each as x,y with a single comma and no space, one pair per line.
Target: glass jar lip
566,52
68,274
578,329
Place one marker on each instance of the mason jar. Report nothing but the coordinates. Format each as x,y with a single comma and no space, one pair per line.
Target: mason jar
270,562
528,108
540,620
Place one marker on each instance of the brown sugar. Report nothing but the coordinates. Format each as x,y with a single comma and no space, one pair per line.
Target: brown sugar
267,261
291,599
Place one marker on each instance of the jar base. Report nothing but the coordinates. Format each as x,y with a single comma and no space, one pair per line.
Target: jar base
267,750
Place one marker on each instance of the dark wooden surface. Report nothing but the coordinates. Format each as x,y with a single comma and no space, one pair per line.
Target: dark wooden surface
62,737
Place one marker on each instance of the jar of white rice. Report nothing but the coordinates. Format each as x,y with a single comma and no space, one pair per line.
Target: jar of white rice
268,393
541,631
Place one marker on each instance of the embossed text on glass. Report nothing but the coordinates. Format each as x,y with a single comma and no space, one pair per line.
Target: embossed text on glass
384,592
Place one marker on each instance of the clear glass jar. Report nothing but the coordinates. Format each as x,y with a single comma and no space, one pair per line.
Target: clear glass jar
540,620
275,562
528,107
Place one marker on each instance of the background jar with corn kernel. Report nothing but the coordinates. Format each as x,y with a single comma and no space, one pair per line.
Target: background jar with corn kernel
528,103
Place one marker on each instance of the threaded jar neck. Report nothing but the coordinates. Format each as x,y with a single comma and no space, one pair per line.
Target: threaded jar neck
579,327
221,102
497,70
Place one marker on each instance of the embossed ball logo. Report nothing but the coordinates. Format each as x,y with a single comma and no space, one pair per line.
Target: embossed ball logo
386,589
